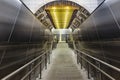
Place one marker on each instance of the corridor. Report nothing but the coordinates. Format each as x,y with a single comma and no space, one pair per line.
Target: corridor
59,39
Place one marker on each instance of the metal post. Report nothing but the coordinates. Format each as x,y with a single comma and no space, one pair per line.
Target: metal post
88,70
77,58
81,60
40,66
46,61
29,70
100,74
40,71
49,57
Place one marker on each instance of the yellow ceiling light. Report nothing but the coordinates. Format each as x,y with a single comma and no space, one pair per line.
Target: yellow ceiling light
61,15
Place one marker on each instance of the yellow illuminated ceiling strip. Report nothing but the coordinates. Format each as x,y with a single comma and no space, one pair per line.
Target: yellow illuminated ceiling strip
68,16
61,15
55,17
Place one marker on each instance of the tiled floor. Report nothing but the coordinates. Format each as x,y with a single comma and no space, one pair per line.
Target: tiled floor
63,66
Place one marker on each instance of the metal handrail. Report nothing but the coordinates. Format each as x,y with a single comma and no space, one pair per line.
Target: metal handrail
103,62
106,74
100,61
21,68
24,77
96,59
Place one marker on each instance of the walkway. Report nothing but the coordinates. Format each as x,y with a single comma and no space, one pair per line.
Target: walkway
63,66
